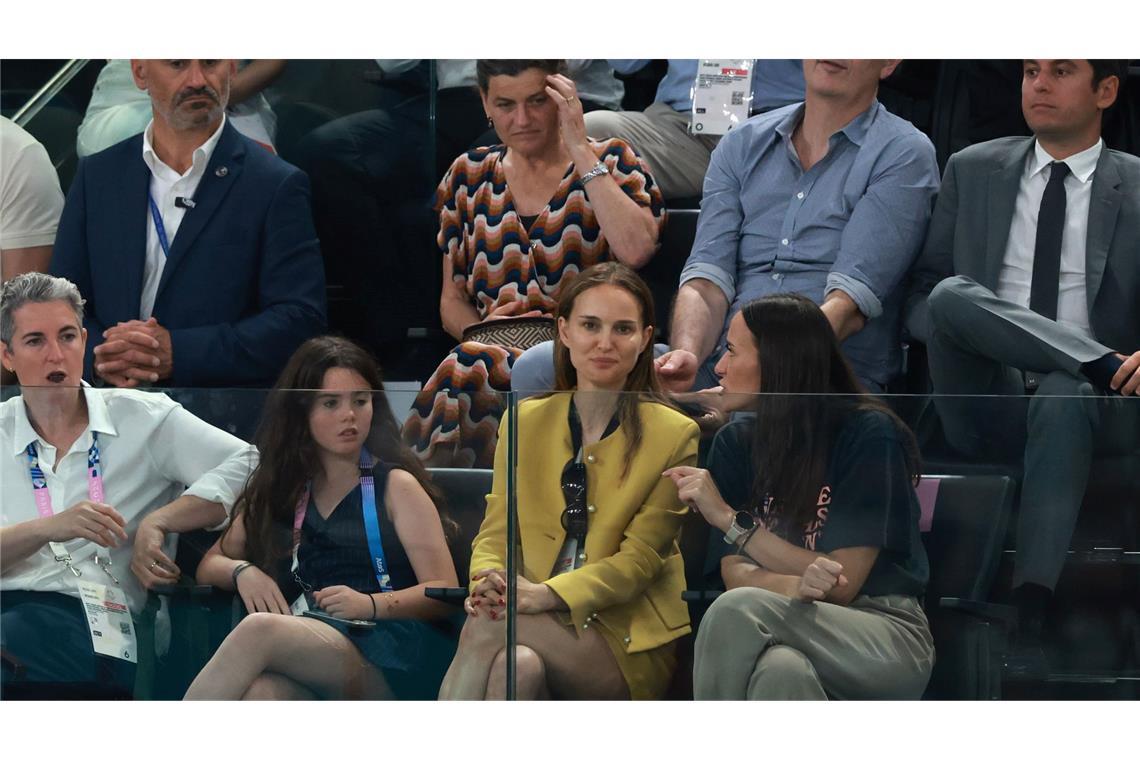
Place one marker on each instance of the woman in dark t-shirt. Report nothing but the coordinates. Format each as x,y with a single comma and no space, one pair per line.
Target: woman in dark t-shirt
816,524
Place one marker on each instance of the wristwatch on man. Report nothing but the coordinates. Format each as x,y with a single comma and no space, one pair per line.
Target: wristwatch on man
742,525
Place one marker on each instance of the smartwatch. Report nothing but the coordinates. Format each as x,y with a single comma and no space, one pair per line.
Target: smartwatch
742,524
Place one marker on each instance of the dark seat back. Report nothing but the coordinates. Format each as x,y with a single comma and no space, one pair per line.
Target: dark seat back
466,493
966,534
963,536
664,269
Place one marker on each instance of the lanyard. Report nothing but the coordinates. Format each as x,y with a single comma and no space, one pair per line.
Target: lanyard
94,493
371,521
159,227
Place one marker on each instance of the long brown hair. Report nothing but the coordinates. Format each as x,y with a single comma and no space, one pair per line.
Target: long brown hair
289,456
807,391
641,384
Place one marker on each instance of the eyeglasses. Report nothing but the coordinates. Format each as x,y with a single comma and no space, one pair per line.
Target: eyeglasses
574,516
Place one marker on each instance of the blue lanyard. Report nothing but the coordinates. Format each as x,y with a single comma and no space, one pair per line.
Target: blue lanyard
371,521
159,227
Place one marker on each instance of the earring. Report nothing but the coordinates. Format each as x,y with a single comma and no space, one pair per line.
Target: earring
490,124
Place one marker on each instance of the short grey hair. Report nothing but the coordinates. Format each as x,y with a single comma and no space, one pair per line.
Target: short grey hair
35,287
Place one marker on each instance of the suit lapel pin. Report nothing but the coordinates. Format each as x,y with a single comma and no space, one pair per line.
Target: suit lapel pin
221,171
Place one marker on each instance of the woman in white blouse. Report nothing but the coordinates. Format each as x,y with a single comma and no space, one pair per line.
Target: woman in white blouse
94,485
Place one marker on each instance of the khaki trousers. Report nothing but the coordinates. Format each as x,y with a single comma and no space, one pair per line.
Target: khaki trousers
757,644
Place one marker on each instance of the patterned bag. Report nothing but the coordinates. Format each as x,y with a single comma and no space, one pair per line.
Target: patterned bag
512,332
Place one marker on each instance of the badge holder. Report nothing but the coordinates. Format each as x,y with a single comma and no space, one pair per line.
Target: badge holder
722,96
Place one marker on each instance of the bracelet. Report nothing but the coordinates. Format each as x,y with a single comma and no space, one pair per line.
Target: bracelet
599,169
237,572
372,599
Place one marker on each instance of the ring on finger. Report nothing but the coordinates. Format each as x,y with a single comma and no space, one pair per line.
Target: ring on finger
153,564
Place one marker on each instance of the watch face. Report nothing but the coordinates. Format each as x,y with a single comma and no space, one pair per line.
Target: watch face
745,521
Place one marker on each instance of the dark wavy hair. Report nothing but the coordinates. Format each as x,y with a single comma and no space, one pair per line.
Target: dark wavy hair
807,391
512,67
641,384
289,455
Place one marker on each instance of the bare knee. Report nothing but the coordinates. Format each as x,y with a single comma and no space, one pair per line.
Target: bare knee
530,674
273,686
257,631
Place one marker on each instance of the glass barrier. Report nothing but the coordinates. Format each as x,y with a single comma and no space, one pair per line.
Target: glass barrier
869,554
666,569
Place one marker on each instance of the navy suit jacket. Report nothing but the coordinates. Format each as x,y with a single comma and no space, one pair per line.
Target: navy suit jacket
244,283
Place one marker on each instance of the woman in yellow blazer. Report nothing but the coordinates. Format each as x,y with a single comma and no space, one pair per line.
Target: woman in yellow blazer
599,590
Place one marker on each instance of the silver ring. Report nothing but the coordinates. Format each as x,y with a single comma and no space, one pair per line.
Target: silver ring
153,564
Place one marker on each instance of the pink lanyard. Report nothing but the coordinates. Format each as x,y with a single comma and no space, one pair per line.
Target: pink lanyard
43,500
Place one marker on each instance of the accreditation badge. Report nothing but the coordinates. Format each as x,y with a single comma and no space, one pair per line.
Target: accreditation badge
109,621
722,95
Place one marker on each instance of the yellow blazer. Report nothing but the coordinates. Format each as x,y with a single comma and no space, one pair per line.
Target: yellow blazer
633,575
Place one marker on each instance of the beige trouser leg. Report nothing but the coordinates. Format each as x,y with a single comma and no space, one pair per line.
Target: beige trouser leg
757,644
676,159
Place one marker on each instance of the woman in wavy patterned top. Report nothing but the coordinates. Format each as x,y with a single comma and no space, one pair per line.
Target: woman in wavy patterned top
517,222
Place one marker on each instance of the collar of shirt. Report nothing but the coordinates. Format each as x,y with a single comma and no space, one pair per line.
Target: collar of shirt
199,160
854,130
98,420
1081,165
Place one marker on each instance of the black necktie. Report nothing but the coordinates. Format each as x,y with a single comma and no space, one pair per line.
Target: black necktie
1047,249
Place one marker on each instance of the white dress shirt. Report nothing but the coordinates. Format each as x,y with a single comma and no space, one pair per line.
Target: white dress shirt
1016,275
166,185
150,448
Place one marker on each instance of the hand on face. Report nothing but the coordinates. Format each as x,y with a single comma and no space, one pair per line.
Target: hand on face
571,123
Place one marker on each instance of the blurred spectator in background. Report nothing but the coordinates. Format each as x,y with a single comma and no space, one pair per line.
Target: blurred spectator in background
661,134
30,202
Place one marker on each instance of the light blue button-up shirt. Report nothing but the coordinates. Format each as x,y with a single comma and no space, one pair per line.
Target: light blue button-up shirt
775,81
854,222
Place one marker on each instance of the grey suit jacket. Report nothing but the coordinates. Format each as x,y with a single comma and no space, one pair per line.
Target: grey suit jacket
970,227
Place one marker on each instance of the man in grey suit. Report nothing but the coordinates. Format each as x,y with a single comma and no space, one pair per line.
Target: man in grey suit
1029,287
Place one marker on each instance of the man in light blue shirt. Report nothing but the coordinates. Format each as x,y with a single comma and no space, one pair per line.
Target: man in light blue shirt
660,134
829,198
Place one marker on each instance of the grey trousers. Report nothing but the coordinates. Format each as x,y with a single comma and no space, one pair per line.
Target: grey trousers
982,345
757,644
676,159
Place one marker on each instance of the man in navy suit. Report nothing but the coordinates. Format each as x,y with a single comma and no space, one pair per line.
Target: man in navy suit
194,247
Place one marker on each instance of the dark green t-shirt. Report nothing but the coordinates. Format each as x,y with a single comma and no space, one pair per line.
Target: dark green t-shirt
867,499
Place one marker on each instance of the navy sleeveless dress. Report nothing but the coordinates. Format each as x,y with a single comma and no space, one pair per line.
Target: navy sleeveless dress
413,655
